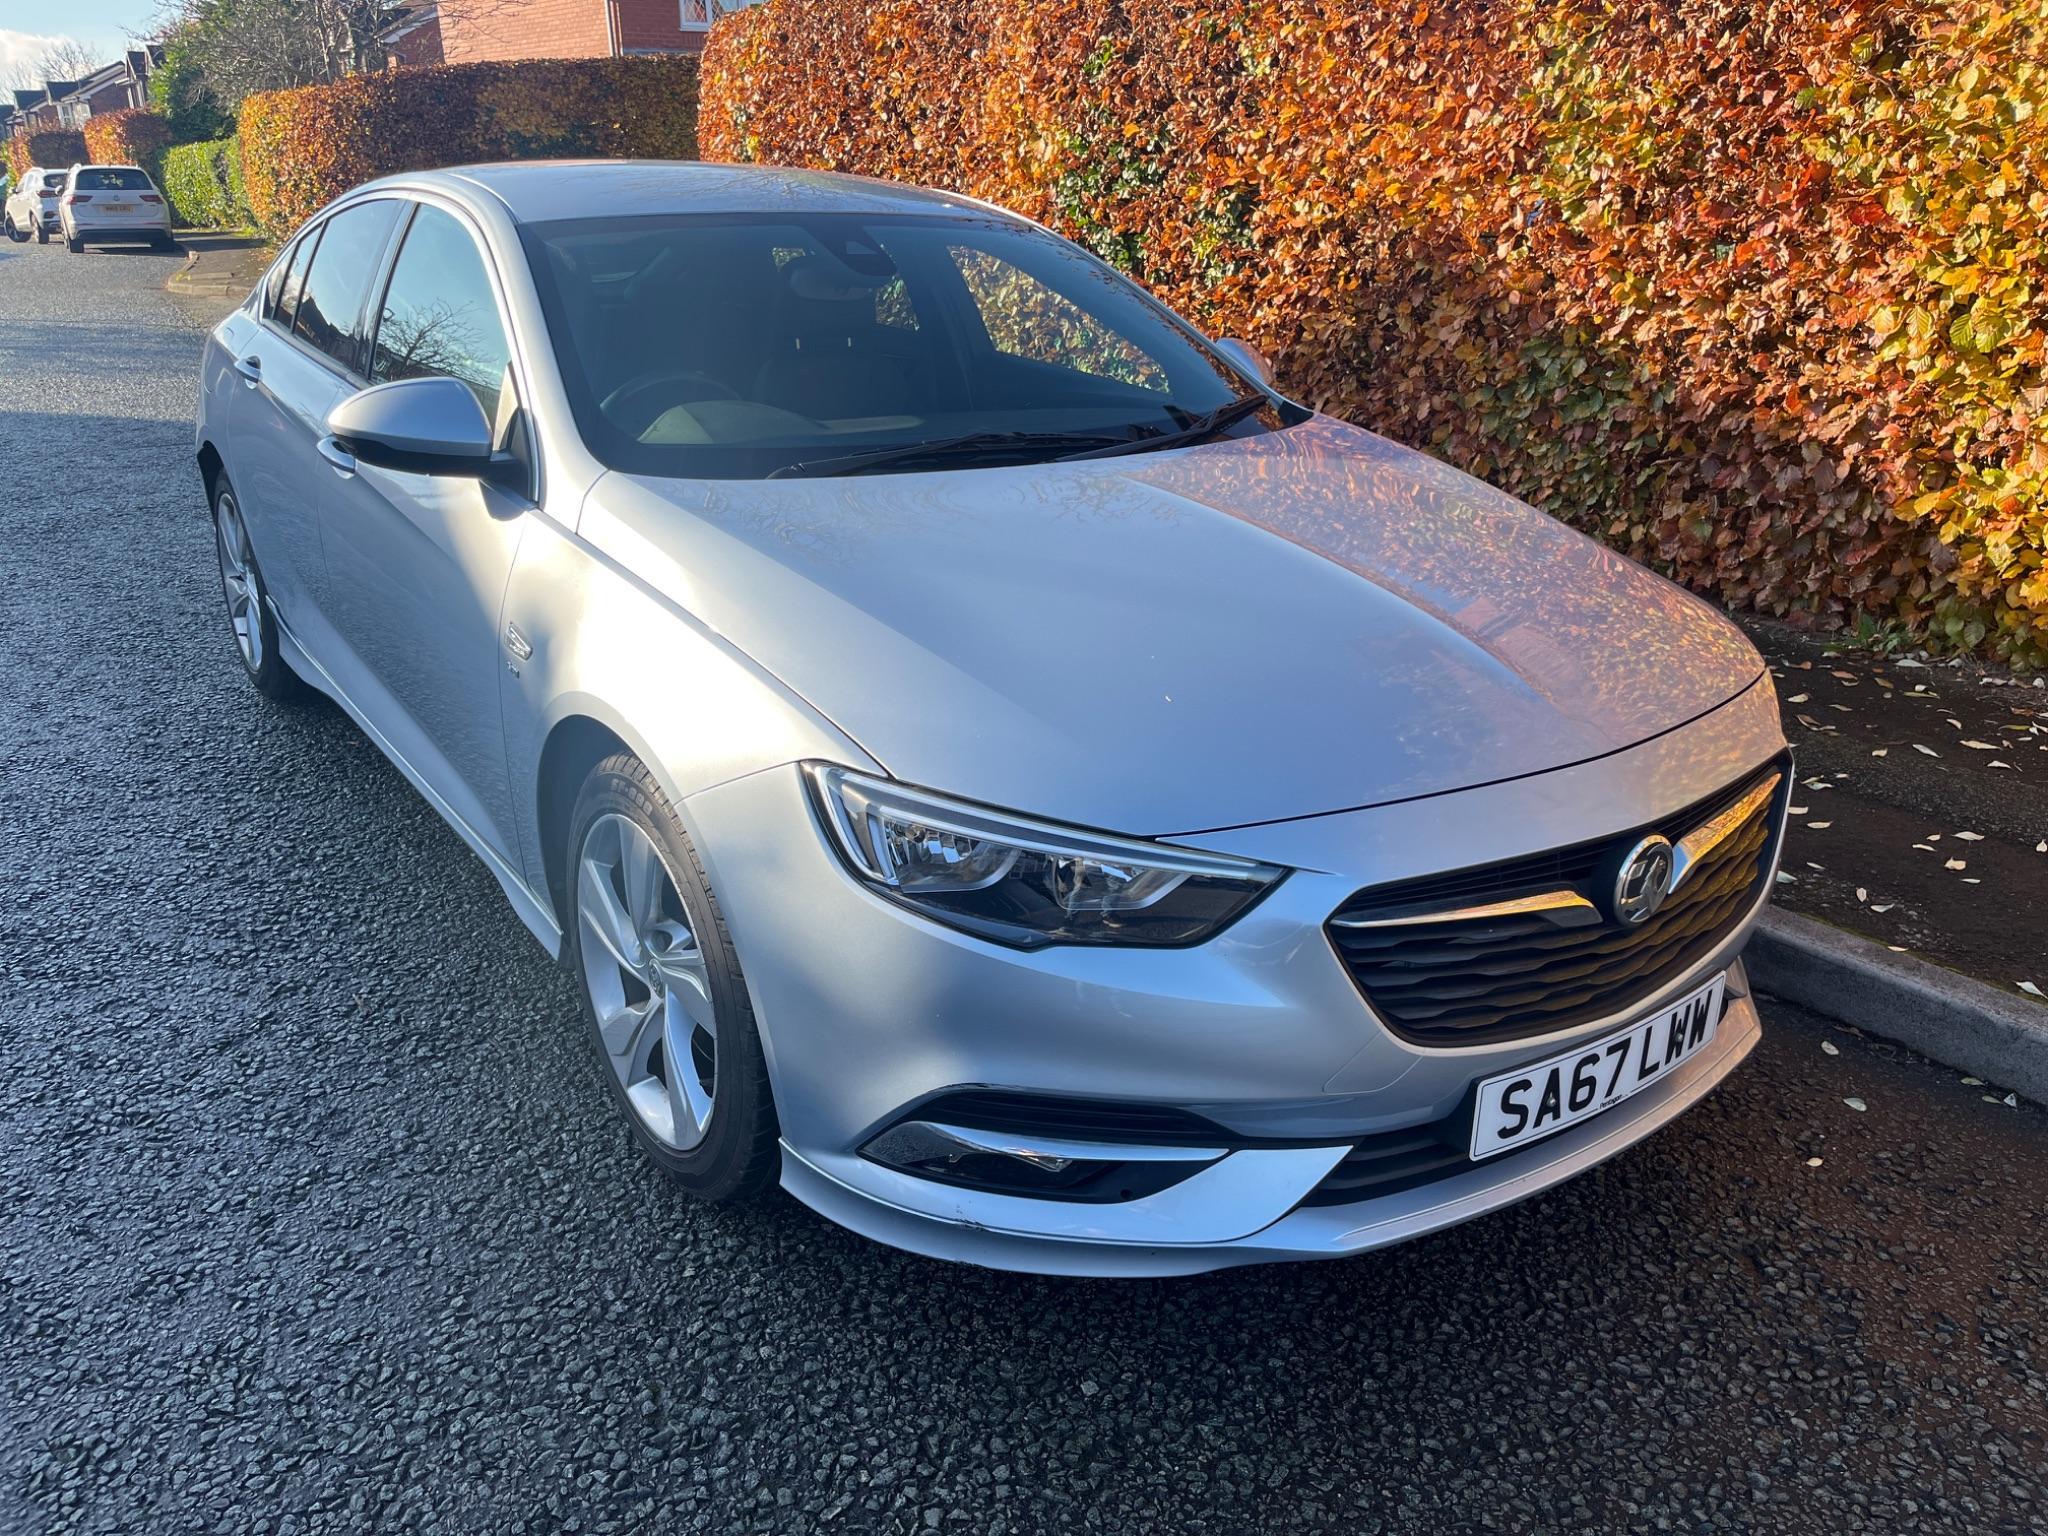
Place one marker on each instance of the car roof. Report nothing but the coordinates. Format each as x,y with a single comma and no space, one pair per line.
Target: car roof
536,191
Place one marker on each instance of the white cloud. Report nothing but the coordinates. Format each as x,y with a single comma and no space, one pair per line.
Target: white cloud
18,50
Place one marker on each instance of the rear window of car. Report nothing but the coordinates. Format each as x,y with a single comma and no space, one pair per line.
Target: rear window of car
52,181
286,304
112,179
335,287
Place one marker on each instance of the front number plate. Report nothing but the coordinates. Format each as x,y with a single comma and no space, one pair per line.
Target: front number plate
1546,1096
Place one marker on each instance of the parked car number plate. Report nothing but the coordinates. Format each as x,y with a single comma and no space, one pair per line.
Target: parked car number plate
1544,1097
120,207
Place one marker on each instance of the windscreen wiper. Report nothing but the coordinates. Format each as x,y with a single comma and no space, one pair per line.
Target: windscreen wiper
1199,429
966,445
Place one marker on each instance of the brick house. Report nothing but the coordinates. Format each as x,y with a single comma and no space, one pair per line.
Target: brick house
113,87
40,110
413,39
574,29
68,103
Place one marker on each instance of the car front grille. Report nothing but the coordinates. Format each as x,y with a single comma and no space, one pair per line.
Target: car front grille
1486,954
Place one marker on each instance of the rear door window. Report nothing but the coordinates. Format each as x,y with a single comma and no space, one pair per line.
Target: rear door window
330,309
287,302
440,314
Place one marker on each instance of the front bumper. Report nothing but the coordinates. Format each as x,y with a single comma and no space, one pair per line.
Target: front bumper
971,1231
867,1011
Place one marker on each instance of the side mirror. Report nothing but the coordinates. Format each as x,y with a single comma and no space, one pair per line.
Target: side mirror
417,426
1247,357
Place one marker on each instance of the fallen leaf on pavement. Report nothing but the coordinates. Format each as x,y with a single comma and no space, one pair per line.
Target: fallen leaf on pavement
1880,752
1820,826
1957,864
2029,987
1928,750
1831,1048
1971,837
1981,746
1813,1162
1886,907
1856,1104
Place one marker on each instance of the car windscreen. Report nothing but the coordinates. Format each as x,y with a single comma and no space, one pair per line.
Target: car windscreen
743,346
112,179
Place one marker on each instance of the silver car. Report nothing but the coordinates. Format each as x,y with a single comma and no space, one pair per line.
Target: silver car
993,764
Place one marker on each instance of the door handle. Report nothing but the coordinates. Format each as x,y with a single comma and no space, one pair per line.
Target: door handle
250,368
340,458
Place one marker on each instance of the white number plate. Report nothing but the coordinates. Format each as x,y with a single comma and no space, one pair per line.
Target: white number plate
120,207
1545,1096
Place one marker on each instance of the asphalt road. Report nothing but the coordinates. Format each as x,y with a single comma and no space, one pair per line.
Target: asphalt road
313,1216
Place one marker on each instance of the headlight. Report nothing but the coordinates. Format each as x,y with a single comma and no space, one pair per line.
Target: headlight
1025,883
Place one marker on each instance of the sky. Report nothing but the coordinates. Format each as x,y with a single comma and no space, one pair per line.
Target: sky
28,26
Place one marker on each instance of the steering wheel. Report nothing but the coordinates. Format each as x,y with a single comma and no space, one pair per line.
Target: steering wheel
657,378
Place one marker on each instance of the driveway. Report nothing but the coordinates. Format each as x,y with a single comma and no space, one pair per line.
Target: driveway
314,1218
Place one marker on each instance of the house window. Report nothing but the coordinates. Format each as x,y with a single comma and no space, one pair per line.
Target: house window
699,14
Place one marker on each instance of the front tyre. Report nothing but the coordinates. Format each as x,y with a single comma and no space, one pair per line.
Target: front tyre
664,1003
249,616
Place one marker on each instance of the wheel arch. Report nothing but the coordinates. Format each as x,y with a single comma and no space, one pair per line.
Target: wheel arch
575,744
211,467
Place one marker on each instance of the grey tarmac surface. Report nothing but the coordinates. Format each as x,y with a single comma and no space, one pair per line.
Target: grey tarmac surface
314,1217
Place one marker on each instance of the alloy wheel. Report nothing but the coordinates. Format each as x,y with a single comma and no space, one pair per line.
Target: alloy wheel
240,581
648,982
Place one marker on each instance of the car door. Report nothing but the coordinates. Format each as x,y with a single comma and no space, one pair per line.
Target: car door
275,419
417,564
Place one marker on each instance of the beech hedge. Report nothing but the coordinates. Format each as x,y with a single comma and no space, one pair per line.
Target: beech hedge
134,136
302,147
1758,294
54,149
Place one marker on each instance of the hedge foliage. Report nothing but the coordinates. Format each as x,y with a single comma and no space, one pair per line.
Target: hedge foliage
204,183
1758,294
56,149
135,136
302,147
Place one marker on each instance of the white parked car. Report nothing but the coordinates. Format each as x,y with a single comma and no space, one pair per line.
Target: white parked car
112,204
32,205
